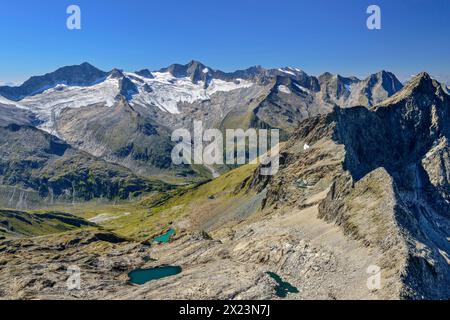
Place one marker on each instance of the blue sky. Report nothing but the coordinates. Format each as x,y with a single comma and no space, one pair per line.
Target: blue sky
317,36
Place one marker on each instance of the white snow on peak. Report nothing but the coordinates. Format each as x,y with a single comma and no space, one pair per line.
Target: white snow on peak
348,87
206,70
287,71
163,91
217,85
6,101
166,91
301,87
284,89
51,102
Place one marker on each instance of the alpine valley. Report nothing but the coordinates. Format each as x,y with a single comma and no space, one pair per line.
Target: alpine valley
87,180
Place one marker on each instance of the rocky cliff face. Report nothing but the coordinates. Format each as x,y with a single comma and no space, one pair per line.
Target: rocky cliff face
12,115
389,188
351,92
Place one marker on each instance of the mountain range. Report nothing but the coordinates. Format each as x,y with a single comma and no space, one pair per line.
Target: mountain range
363,185
363,182
126,118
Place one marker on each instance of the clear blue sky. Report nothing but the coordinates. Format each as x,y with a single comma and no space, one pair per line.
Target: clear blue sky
315,35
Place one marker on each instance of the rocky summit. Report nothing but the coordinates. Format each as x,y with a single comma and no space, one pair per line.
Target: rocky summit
360,208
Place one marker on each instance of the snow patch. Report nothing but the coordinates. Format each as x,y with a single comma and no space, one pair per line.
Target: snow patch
287,71
163,91
284,89
217,85
167,91
49,104
301,87
3,100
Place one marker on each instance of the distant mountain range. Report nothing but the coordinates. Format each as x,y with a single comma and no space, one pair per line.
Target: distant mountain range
126,118
270,97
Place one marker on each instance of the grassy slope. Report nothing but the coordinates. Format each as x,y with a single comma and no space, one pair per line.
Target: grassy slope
154,214
23,224
137,220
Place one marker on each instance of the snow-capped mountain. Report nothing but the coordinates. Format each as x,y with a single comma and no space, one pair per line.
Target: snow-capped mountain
50,103
78,75
127,117
69,88
166,89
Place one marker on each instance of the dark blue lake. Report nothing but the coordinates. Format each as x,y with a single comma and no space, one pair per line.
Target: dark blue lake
141,276
164,238
283,288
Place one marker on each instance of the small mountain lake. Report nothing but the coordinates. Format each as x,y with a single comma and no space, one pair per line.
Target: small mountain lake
141,276
283,287
164,238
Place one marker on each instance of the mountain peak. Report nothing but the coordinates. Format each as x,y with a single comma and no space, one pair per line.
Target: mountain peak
86,64
326,75
195,63
84,74
76,70
194,70
387,80
116,73
422,82
145,73
423,75
420,85
383,72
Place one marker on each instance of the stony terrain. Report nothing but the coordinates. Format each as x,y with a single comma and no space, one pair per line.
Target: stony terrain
314,256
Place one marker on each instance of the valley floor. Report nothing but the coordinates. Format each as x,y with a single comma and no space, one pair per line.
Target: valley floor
230,262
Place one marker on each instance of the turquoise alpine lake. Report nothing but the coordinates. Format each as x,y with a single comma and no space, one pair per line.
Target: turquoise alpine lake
141,276
164,238
283,287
